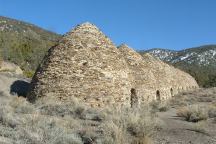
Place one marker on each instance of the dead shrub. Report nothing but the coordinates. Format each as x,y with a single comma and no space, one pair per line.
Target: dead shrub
69,139
199,127
21,105
130,126
157,106
74,123
212,112
193,113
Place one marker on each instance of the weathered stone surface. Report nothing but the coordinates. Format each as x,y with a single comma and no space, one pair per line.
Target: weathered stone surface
153,77
87,65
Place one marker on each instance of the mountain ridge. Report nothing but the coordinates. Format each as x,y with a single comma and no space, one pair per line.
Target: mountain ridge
24,24
24,44
200,61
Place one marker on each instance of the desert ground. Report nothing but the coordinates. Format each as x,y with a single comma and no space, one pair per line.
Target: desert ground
188,118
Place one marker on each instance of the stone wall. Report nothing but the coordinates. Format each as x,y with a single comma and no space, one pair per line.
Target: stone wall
153,77
87,65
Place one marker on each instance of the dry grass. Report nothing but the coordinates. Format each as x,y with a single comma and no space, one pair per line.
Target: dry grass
199,127
194,97
212,111
157,106
193,113
196,106
74,123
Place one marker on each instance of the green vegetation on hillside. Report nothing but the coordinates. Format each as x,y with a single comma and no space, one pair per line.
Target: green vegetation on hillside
205,76
0,57
24,44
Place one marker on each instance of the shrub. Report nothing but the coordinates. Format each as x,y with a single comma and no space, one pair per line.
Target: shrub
28,74
74,122
193,113
159,106
21,105
212,112
1,58
164,108
199,127
59,109
5,117
130,126
69,139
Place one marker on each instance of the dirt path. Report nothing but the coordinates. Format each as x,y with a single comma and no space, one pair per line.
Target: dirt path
177,131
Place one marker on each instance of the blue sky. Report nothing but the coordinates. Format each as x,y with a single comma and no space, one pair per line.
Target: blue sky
142,24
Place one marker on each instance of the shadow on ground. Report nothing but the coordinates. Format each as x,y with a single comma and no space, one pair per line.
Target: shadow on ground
19,88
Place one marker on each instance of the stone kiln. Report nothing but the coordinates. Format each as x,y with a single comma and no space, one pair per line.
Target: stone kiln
87,65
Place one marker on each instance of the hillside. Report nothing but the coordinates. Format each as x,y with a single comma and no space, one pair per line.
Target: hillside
200,62
24,44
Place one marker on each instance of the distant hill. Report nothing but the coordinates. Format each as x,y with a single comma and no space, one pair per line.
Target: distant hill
200,62
24,44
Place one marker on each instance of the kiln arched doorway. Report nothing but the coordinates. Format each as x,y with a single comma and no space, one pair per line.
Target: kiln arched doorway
158,97
133,98
171,92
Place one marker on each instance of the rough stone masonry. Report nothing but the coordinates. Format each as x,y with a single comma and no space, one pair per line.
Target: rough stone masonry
87,65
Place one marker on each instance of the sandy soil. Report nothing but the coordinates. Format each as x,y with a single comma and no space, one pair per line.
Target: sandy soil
175,130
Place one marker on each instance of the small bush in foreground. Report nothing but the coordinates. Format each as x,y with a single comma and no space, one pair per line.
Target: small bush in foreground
130,126
193,113
212,112
74,123
157,106
199,127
